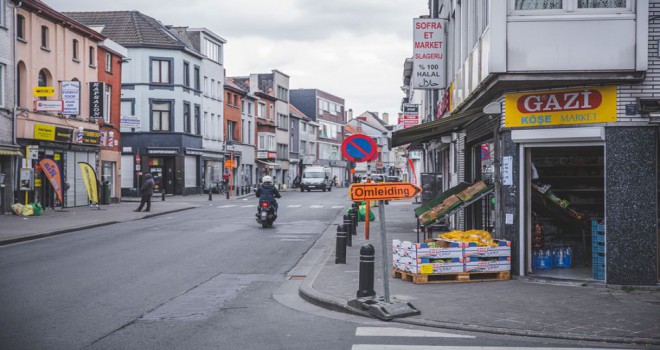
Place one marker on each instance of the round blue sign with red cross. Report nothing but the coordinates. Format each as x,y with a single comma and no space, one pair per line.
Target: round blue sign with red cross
359,148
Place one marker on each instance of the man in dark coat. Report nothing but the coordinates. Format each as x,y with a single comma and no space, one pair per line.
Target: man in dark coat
147,190
267,192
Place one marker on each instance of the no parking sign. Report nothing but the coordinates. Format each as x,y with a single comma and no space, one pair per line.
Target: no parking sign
359,148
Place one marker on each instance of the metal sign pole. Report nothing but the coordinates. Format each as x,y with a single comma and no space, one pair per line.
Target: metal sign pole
383,238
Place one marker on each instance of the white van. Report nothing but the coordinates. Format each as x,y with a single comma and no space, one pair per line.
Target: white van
316,177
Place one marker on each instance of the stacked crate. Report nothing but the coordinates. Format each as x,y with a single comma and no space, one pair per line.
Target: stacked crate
419,258
598,249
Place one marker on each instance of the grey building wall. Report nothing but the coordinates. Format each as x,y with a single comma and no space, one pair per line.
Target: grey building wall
7,61
305,101
631,205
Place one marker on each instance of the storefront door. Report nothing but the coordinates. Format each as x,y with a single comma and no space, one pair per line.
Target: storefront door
564,197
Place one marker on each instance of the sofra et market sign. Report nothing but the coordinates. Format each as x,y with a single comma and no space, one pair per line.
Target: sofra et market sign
559,107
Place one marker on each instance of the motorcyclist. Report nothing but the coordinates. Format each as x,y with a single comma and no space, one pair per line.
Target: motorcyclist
267,192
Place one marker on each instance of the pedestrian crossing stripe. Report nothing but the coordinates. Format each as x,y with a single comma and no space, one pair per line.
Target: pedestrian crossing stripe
316,206
248,206
453,347
403,332
337,206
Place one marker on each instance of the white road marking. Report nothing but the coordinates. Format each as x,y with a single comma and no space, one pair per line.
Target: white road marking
227,206
431,347
293,206
293,239
316,206
403,332
248,206
337,206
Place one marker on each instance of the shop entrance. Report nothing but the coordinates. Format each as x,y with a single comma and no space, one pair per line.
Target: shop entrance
565,205
162,169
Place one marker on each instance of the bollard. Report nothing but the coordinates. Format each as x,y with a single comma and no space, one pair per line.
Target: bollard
163,199
366,282
356,208
340,250
210,194
237,192
348,224
228,191
354,220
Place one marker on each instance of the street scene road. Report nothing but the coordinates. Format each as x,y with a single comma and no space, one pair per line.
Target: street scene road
205,278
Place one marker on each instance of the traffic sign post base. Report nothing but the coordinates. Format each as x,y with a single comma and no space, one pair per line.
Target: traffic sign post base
379,308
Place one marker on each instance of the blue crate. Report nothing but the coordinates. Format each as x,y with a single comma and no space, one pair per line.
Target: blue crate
598,247
597,226
598,273
598,236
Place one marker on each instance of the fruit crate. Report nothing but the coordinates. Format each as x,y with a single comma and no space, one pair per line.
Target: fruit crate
598,272
597,226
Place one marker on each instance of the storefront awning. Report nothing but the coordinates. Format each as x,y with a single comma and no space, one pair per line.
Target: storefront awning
274,165
457,204
6,151
436,128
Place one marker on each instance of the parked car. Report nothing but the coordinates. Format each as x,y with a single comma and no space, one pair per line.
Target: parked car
393,178
374,178
316,177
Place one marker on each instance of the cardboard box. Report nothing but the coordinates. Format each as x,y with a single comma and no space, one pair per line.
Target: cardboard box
439,209
472,191
435,268
503,249
449,249
487,266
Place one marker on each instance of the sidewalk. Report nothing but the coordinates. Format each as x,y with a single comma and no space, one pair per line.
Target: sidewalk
516,307
15,228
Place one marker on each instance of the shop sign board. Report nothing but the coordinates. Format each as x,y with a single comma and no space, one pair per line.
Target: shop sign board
43,91
71,97
91,137
383,191
561,107
26,179
32,152
48,106
429,51
130,121
96,109
230,163
410,115
163,151
52,133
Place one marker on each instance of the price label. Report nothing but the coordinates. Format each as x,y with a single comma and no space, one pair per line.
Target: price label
426,269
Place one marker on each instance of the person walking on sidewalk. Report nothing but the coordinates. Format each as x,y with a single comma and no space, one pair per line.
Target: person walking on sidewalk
147,190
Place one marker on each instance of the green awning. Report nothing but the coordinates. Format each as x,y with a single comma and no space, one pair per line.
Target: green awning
6,151
436,128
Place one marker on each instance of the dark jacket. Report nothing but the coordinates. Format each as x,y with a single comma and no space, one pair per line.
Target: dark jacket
267,192
148,186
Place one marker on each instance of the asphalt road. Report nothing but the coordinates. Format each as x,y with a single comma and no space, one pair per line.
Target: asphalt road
209,278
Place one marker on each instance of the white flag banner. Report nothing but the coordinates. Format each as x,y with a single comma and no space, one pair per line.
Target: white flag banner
429,51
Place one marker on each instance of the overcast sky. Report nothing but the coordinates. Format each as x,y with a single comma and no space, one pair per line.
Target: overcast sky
353,49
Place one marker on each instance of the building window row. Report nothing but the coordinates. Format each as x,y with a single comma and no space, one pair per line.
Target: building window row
282,121
213,51
282,93
569,5
329,107
266,142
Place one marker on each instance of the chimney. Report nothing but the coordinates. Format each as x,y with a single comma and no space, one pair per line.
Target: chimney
386,118
350,113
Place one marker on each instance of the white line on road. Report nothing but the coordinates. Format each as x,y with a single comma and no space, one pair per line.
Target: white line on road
403,332
292,239
293,206
248,206
431,347
316,206
227,206
337,206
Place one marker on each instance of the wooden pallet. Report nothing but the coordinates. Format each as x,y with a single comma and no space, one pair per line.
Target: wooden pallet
418,278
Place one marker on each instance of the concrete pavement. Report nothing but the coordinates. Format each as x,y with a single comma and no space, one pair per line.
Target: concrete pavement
563,310
568,310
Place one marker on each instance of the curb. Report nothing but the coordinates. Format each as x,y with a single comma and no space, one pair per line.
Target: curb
316,297
84,227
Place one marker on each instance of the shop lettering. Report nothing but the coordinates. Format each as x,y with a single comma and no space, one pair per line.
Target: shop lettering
428,25
428,44
536,120
562,101
382,192
588,117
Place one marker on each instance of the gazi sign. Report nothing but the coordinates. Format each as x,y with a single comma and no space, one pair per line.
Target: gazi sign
557,107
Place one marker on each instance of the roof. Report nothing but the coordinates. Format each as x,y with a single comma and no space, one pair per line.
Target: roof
133,29
230,84
297,113
349,129
48,12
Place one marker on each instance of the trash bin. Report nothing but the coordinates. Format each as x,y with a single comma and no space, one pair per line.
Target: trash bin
105,192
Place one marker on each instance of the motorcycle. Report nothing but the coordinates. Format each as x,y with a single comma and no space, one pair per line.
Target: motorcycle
266,214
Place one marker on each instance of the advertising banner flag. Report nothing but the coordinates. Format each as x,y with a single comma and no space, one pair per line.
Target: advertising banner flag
53,174
92,185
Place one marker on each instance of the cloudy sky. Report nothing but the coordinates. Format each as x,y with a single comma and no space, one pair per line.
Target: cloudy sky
350,48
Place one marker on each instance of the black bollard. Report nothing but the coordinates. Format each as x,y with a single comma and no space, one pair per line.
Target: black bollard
348,224
237,192
210,194
356,209
366,283
163,199
340,249
228,193
354,220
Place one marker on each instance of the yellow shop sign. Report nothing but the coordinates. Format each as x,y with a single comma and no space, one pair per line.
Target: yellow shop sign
559,107
44,132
